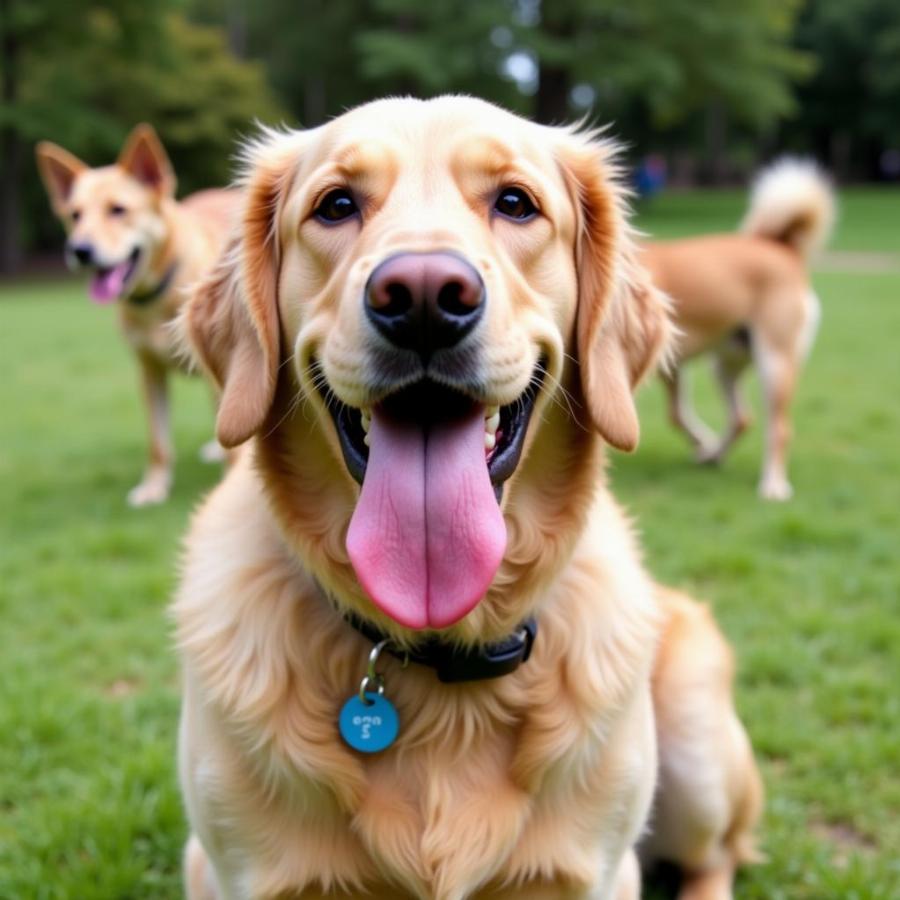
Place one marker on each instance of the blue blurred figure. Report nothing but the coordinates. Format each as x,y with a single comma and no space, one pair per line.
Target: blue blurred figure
650,177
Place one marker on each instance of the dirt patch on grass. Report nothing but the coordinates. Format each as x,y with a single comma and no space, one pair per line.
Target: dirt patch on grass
847,841
858,261
122,687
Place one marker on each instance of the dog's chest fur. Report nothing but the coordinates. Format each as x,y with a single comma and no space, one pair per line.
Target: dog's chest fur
521,779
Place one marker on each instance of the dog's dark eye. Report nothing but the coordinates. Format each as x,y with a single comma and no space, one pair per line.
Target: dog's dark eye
514,203
336,206
76,215
116,210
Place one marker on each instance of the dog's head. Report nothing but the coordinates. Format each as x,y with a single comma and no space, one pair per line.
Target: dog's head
429,308
113,215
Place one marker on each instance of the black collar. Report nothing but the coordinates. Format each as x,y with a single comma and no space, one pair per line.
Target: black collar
453,663
162,285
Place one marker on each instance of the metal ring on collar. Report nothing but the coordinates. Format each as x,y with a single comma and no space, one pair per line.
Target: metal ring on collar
377,680
374,653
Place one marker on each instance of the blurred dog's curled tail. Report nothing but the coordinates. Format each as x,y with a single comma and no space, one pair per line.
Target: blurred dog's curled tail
792,202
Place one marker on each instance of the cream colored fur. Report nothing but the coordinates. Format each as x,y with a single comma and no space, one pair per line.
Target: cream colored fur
791,201
535,785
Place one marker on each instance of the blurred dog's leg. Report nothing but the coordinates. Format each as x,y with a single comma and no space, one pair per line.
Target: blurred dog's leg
212,451
154,488
712,885
777,371
199,880
728,365
628,881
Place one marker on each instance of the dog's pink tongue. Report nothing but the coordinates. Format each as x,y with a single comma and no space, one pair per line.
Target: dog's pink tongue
427,535
107,285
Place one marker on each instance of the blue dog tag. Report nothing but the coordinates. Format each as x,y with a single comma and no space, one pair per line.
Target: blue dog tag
370,727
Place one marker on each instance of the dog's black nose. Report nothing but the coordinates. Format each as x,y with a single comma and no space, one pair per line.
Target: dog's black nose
424,301
84,253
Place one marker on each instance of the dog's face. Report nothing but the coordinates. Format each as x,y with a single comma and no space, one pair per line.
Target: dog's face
425,266
112,215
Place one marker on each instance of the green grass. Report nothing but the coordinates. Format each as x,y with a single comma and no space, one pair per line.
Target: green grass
866,217
808,591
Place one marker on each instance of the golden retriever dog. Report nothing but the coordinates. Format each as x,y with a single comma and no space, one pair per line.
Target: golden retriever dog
747,297
427,326
144,250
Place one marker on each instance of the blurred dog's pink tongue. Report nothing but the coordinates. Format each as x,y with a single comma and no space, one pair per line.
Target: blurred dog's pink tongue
107,285
427,535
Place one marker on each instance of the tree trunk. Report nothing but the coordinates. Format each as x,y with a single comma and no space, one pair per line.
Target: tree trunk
552,102
716,144
236,26
314,101
554,79
10,151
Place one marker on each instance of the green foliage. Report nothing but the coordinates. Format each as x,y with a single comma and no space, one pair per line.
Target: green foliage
677,56
67,52
807,591
437,47
308,50
848,109
186,84
358,50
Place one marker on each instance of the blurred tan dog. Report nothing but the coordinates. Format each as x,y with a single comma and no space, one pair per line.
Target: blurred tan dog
429,323
143,249
744,297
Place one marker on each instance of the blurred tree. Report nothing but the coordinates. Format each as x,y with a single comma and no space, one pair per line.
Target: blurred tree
439,47
360,49
849,111
306,46
678,56
87,72
656,63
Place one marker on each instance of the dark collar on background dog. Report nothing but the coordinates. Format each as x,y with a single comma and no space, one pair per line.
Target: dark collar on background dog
162,285
453,663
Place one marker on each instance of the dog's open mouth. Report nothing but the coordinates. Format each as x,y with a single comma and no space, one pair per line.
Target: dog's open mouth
427,404
427,535
109,282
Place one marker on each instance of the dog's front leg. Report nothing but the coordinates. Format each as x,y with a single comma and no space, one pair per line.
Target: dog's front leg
212,451
154,488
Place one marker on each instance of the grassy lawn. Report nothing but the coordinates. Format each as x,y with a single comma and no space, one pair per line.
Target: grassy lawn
808,591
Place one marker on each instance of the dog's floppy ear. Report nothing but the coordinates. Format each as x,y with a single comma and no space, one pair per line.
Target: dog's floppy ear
145,159
622,323
232,319
58,169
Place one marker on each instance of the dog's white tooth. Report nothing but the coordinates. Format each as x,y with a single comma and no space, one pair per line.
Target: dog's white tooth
490,441
493,423
366,438
365,421
491,411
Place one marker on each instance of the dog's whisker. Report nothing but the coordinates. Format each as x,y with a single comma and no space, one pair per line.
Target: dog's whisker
570,401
